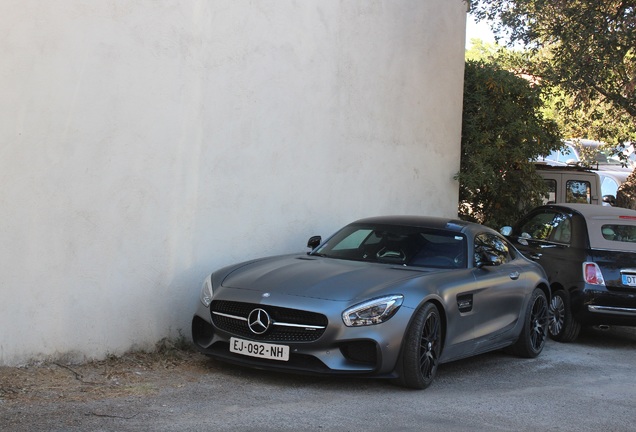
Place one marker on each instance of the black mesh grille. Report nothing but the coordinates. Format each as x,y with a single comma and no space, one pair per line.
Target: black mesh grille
238,327
360,352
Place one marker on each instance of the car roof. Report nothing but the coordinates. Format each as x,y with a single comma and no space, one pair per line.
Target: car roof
596,217
618,176
422,221
596,211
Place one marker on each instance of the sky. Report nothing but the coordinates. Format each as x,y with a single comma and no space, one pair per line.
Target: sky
478,30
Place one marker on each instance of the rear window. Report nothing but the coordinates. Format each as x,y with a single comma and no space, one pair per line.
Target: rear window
612,233
619,233
578,191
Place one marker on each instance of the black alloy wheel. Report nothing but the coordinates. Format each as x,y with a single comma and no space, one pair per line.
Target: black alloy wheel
539,320
535,327
421,349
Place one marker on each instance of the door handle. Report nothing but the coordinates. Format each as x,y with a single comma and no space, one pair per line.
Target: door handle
514,275
535,256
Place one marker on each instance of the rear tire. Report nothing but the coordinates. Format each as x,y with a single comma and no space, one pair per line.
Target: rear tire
421,349
563,326
535,327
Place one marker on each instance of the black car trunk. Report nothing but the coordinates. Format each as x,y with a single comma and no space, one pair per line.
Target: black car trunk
618,269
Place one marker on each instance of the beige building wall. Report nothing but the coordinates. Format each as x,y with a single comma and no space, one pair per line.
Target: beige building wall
144,144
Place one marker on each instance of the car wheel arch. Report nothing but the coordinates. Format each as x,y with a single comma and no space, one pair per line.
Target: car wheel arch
534,331
563,325
409,364
438,303
554,287
546,290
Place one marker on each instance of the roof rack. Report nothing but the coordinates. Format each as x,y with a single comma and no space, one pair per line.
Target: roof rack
569,167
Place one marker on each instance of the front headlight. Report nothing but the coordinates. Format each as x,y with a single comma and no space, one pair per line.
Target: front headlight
206,291
372,312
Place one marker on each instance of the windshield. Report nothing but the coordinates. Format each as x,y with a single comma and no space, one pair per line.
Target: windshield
405,245
607,157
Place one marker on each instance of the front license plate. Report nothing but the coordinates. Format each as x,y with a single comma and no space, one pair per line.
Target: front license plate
259,349
629,280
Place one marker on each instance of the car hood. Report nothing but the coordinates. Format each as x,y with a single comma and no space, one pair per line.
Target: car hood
317,277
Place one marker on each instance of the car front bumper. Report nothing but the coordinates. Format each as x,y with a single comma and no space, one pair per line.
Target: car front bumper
365,350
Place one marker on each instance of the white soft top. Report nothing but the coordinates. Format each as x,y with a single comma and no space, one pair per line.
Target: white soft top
599,216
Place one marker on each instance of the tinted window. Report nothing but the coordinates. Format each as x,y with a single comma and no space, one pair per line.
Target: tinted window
404,245
562,229
538,227
548,226
492,249
578,191
355,239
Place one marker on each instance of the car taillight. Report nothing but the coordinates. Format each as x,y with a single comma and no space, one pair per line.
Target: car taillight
592,274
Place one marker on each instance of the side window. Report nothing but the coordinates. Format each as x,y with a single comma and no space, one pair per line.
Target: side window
538,227
547,226
578,191
568,155
491,249
609,186
620,233
554,156
551,184
562,229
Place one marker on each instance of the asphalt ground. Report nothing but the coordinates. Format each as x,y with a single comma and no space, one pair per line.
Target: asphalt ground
588,385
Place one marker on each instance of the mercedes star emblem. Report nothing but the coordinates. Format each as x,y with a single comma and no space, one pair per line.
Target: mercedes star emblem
258,321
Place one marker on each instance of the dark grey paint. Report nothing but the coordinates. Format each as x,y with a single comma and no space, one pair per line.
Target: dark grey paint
480,306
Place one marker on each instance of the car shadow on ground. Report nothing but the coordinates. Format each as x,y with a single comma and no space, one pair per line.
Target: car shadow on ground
481,367
457,370
608,337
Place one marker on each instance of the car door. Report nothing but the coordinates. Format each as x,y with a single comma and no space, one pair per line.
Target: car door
546,237
499,295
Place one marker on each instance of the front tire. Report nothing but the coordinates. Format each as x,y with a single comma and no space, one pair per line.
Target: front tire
421,349
535,327
563,326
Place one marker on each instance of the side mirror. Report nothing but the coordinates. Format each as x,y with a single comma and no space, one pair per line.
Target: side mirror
609,199
480,261
314,242
506,231
485,258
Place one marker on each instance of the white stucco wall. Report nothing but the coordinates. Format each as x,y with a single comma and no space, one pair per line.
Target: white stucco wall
145,143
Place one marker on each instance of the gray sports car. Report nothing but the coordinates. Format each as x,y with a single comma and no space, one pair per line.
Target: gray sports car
390,297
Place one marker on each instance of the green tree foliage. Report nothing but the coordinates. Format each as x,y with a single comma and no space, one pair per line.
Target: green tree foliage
483,51
585,50
502,130
598,120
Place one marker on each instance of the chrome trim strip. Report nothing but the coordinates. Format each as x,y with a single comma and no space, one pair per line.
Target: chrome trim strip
628,270
313,327
229,316
612,310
